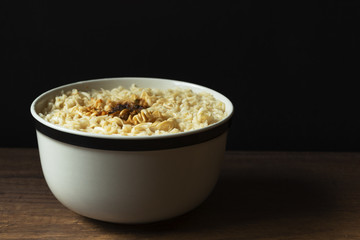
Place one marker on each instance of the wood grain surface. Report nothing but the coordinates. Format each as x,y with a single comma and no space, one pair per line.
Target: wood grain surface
260,195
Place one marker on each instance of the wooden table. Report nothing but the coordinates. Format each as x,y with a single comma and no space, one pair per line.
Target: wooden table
260,195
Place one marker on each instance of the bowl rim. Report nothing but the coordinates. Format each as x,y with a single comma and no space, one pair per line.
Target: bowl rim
59,132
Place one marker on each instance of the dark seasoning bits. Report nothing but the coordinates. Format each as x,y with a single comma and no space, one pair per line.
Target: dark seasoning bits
125,110
122,110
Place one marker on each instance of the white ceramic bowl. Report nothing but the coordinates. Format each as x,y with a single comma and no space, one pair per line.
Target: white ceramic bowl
135,179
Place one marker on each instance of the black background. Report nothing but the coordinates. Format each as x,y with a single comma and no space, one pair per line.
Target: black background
289,68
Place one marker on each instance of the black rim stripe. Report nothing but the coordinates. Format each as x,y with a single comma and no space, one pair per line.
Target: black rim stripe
133,145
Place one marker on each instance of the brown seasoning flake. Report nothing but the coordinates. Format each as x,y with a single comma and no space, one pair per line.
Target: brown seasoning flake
125,110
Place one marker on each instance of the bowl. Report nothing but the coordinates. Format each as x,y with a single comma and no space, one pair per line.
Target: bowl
130,179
